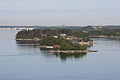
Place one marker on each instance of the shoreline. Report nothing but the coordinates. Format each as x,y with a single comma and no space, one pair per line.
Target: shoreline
72,51
26,40
102,36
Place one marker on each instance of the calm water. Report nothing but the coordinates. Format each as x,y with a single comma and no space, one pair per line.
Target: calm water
28,62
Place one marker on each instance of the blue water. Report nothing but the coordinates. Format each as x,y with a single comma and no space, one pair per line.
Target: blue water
28,62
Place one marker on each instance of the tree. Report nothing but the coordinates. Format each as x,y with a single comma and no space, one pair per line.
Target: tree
65,46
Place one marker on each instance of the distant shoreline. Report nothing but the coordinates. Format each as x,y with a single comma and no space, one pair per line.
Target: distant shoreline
102,36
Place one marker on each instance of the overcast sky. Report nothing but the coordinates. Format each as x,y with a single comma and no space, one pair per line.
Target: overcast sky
59,12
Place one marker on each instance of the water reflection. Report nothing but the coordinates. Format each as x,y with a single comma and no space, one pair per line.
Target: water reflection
65,56
32,48
28,42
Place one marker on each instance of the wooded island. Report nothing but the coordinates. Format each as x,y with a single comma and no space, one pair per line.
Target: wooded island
57,39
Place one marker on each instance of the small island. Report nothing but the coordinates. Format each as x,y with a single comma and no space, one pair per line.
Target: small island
58,40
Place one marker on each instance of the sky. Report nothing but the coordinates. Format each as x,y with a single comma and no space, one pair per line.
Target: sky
60,12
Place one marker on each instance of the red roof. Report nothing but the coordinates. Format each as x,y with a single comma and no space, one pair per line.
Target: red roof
54,45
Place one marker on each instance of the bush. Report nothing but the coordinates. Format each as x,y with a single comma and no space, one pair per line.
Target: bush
83,47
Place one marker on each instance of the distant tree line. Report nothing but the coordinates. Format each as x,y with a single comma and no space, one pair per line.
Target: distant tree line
105,32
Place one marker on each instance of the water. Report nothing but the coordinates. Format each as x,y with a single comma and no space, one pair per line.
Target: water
28,62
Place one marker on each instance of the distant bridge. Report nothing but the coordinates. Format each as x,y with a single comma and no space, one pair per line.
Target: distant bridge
16,28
